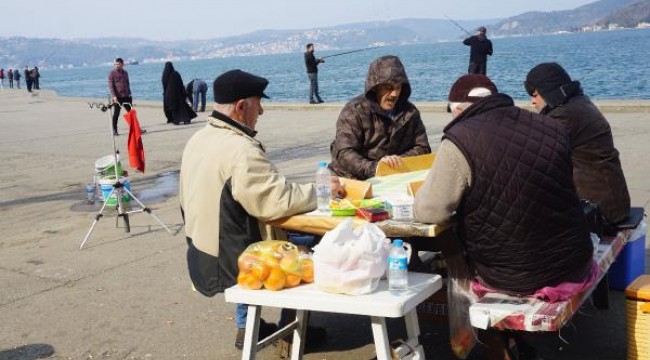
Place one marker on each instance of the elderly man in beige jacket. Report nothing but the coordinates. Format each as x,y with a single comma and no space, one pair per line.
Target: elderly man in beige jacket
228,188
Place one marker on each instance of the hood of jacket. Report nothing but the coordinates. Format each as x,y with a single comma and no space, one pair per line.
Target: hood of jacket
387,69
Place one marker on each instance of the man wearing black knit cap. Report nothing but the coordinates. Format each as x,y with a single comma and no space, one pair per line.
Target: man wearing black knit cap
597,170
228,189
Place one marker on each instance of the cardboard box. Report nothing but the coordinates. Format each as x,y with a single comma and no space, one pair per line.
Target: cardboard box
356,189
409,163
400,208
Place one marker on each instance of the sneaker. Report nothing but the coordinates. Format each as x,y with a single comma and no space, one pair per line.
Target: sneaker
266,329
320,101
313,102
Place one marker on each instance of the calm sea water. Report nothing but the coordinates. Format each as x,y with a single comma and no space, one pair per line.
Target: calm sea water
610,65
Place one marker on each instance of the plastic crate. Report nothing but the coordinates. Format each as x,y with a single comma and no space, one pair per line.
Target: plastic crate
630,263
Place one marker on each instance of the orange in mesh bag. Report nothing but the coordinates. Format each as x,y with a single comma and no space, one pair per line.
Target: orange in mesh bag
273,265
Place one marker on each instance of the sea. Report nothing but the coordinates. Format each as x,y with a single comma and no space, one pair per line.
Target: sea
609,64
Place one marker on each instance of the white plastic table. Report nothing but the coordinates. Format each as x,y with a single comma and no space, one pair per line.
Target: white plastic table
379,305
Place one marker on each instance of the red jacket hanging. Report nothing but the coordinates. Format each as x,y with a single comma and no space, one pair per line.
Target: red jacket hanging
136,149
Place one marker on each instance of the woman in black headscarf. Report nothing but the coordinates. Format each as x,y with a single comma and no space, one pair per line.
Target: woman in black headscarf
176,108
167,71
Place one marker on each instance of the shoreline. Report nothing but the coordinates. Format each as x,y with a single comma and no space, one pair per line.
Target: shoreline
605,105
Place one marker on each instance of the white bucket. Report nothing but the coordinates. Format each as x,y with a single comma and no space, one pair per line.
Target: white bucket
105,166
106,185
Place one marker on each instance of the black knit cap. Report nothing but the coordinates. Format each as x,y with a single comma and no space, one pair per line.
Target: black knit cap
545,78
234,85
460,90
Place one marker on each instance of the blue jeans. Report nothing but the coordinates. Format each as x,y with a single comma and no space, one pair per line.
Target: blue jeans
241,313
313,87
202,90
241,310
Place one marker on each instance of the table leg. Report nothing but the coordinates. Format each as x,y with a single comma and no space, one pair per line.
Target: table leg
299,335
413,334
380,334
249,352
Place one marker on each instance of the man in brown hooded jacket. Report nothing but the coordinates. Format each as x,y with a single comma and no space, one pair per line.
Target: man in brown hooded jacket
379,125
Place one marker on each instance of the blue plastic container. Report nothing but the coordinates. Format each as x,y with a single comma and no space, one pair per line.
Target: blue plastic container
629,264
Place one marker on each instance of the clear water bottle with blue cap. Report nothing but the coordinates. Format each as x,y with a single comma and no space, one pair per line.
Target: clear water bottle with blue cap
397,267
323,186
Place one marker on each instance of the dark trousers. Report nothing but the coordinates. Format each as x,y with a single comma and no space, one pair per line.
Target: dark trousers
29,85
116,110
313,87
477,68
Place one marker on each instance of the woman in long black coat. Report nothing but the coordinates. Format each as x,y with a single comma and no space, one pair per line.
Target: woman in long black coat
175,105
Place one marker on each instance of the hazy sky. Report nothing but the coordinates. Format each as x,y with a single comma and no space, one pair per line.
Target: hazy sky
202,19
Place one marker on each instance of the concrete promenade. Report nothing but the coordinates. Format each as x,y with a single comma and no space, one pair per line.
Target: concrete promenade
128,295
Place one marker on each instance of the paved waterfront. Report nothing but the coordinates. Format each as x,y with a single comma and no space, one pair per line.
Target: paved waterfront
128,295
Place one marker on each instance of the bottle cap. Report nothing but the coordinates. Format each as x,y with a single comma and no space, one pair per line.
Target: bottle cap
398,242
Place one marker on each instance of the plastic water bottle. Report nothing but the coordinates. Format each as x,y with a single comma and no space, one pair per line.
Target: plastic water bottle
397,267
323,186
90,193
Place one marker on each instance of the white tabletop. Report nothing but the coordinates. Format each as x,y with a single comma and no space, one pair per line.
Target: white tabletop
378,303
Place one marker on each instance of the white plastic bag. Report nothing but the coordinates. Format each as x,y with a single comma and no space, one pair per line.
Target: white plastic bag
351,261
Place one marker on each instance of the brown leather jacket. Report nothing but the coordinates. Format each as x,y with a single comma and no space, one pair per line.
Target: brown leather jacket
597,171
365,133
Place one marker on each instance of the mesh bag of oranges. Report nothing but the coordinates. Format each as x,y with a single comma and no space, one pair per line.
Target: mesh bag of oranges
274,265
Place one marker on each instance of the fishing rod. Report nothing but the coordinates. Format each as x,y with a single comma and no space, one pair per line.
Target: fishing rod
353,51
44,61
458,25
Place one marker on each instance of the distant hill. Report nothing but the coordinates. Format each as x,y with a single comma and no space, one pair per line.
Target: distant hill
21,51
629,16
536,22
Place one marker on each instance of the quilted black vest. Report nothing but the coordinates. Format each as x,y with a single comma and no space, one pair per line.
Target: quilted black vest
521,221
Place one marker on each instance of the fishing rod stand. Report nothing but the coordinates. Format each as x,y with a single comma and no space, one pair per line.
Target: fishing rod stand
118,187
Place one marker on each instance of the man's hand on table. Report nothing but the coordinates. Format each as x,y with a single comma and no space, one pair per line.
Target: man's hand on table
337,189
392,160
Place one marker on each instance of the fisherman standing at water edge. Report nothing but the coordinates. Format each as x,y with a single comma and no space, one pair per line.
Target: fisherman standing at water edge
480,48
312,71
120,88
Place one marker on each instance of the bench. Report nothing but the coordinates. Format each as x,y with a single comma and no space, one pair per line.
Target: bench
379,305
504,312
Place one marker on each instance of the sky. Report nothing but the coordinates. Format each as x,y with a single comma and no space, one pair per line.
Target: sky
205,19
